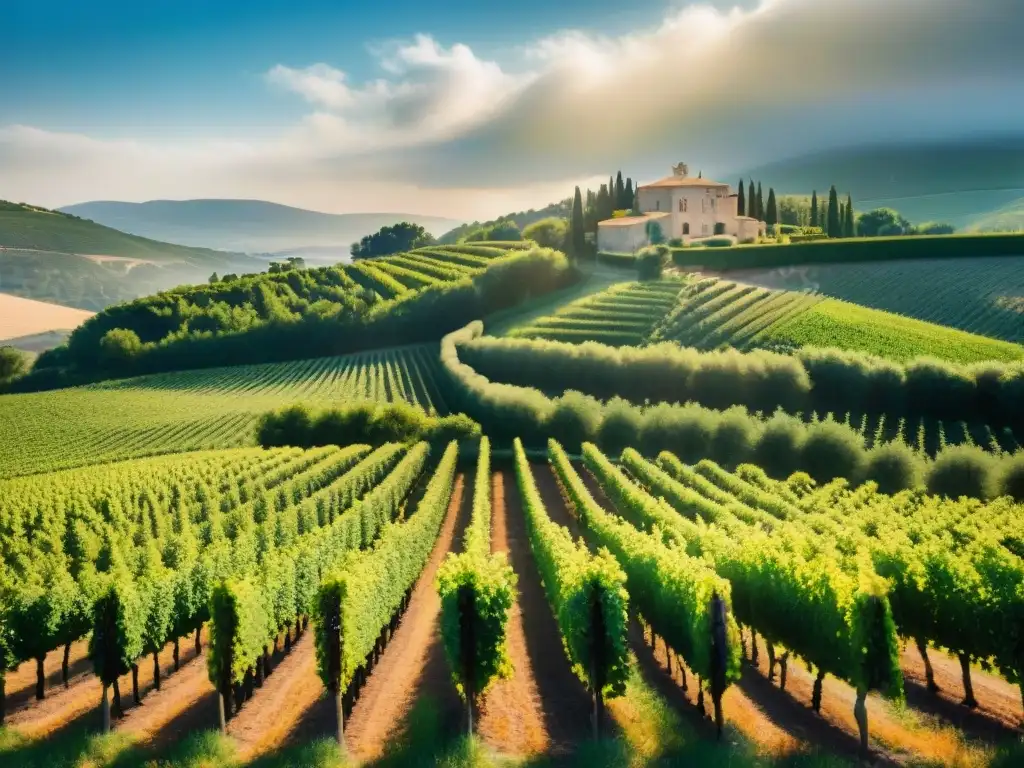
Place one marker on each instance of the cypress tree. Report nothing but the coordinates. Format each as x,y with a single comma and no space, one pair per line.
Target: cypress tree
576,240
603,204
620,192
628,201
760,203
833,222
771,216
849,228
741,202
814,209
752,201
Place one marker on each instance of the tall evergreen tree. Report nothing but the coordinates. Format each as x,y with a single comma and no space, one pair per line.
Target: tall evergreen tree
849,228
752,201
771,215
628,200
741,202
577,242
620,192
760,203
603,204
815,219
833,222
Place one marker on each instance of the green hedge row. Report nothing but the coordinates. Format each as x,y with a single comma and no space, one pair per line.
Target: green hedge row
856,249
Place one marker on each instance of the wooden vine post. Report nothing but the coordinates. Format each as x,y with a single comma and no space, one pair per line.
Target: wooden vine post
467,642
719,658
598,662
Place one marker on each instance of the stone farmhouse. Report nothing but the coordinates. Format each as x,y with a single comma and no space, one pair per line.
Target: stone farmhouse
684,208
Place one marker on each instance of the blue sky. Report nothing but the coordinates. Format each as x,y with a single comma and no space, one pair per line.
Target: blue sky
471,108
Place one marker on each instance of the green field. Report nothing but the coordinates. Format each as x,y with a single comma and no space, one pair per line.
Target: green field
622,314
715,313
982,296
196,410
832,323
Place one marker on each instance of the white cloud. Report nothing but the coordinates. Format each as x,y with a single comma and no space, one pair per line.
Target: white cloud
446,126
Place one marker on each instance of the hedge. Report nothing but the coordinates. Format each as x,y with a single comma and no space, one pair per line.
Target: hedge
854,249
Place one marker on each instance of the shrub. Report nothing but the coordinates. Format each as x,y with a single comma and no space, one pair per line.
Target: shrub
734,439
939,388
895,467
620,427
547,233
833,450
961,470
780,446
719,242
1010,477
13,363
651,261
574,420
370,423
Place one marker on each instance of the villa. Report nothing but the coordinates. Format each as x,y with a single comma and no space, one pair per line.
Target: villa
683,208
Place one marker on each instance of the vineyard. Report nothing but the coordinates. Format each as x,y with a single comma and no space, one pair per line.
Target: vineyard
980,296
624,314
715,313
195,410
666,586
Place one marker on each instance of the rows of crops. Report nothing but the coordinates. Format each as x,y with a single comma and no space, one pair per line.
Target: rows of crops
977,295
834,575
242,539
624,314
713,313
391,276
717,313
200,409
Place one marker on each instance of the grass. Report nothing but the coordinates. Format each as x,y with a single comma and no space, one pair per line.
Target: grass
983,296
192,410
833,323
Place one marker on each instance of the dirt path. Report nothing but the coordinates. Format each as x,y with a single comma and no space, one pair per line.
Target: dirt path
512,715
21,682
293,686
998,715
544,706
413,664
175,703
63,705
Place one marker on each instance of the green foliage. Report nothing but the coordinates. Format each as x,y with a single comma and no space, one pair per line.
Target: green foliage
477,590
894,467
361,598
298,314
578,586
650,262
119,618
548,233
13,363
369,423
674,593
394,239
238,631
962,470
833,614
875,249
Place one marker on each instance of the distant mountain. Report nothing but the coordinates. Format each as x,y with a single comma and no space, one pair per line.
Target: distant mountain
252,226
30,228
1009,218
953,181
59,258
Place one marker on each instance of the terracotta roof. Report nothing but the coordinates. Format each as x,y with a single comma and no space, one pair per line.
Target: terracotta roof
630,221
683,181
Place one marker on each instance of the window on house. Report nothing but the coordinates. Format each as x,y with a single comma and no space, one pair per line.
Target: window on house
686,227
680,206
714,205
703,205
657,205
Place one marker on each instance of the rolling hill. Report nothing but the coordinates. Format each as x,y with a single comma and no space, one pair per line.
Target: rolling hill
957,182
253,226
